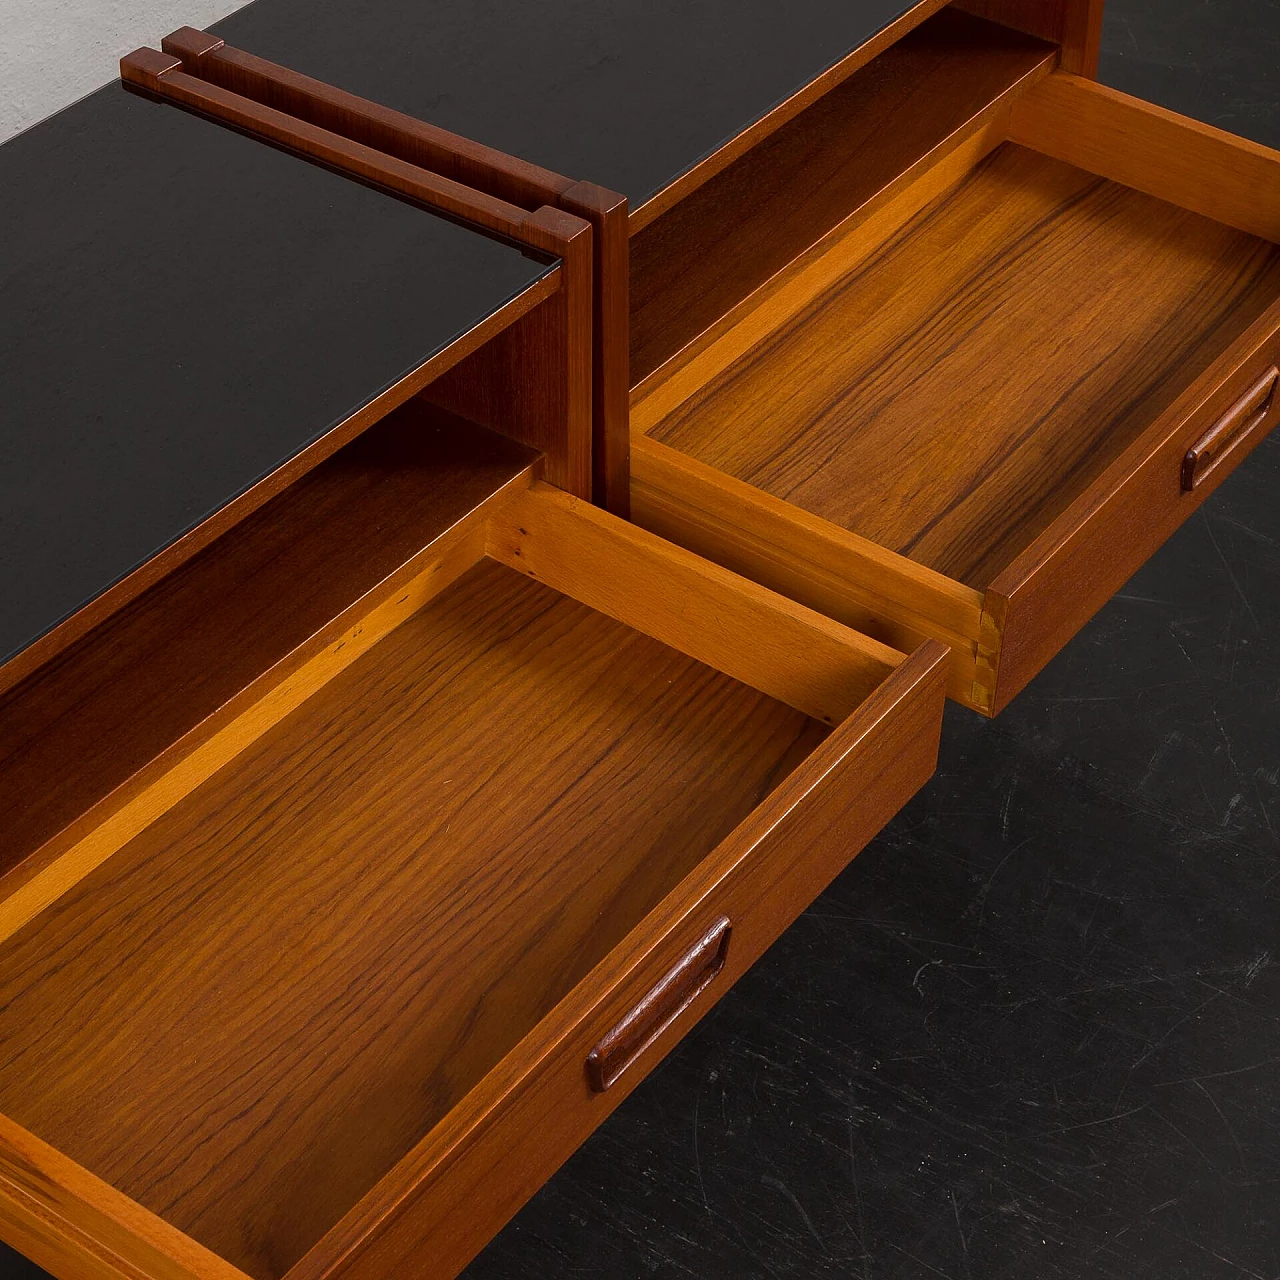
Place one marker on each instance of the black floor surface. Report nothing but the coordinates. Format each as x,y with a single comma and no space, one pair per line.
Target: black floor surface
1034,1030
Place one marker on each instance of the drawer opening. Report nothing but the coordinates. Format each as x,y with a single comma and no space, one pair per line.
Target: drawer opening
956,371
268,996
318,953
89,732
936,89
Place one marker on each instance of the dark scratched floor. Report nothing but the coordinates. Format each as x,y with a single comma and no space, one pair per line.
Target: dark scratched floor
1034,1030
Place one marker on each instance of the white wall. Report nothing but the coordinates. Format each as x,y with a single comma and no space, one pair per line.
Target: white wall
55,51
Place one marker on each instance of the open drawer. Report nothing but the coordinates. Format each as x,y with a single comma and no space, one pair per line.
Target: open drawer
954,351
334,979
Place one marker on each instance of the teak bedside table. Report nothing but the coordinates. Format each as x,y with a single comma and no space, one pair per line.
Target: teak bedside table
377,810
981,453
369,836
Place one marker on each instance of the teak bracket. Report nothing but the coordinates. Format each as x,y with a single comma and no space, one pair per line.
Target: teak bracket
468,181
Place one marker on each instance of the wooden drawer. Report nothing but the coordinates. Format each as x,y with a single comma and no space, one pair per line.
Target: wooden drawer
982,335
314,990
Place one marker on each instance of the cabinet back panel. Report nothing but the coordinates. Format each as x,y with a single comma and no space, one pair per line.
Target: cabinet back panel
263,1001
695,263
952,395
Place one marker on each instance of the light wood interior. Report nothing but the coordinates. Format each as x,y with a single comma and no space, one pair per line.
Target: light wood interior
333,817
88,722
793,654
250,1012
944,372
153,701
907,108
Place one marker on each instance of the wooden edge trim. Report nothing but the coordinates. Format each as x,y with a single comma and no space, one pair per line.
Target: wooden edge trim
452,156
1153,150
986,667
1138,499
853,242
164,562
73,1223
783,112
738,627
117,818
161,76
909,701
610,340
805,558
570,456
488,171
1082,37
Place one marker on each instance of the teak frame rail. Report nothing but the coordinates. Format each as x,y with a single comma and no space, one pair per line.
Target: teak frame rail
564,434
457,177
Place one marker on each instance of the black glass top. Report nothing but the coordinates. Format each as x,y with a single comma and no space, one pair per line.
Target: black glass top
183,311
626,93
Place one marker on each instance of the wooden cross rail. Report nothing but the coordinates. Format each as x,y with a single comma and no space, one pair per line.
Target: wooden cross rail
469,180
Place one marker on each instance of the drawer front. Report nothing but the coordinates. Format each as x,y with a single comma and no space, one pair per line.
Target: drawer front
460,1186
1055,586
1089,553
1232,434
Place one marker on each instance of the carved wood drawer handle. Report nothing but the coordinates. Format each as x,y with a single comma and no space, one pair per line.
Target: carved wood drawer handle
687,979
1248,412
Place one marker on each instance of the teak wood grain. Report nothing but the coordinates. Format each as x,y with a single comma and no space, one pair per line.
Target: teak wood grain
686,601
79,1228
691,266
306,1002
606,211
444,1201
533,381
1058,582
951,397
805,558
449,835
490,173
198,755
330,1011
916,423
1196,166
90,724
